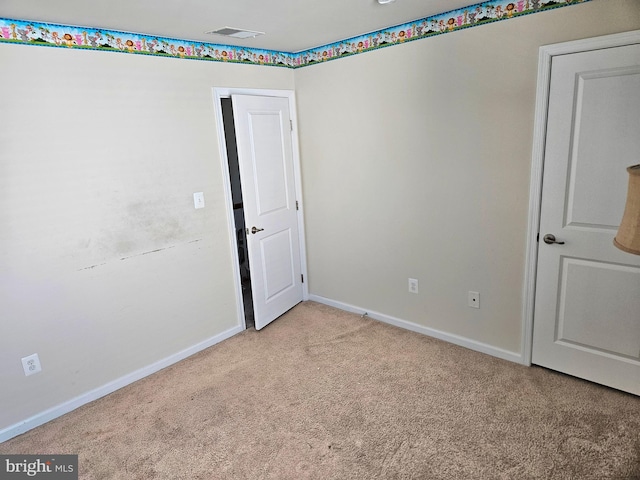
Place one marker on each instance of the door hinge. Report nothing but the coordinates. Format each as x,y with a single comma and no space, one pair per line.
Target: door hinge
297,206
291,124
538,237
302,277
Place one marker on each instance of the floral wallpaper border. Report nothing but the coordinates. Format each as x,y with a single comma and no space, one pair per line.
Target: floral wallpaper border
67,36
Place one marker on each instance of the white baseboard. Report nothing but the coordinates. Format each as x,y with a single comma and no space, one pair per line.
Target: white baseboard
414,327
66,407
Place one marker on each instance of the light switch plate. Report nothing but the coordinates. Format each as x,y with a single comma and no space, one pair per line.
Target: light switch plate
198,200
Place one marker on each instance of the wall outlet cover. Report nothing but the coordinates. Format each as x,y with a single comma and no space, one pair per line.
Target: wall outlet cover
474,299
31,364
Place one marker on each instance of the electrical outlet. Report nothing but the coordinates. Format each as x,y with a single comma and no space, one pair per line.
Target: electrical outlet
31,364
474,299
413,285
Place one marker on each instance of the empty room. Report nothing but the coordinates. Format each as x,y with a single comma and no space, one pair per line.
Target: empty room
364,239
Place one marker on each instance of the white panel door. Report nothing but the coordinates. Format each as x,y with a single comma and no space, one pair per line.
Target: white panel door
587,307
265,154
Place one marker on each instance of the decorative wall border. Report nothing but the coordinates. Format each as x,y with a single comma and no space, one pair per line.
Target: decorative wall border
83,38
447,22
68,36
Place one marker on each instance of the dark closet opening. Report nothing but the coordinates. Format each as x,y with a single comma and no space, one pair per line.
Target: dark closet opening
238,210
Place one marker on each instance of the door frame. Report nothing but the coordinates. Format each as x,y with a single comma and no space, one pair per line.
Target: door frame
225,92
545,58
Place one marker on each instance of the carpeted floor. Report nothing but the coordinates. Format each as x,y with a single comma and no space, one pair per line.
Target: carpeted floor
324,394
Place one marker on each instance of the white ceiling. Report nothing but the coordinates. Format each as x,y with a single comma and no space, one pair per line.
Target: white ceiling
289,25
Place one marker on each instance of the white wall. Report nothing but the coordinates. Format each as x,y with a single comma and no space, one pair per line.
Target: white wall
105,265
416,162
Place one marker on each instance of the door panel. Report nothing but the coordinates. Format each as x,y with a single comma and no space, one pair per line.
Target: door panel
265,154
581,313
278,263
606,108
587,306
268,162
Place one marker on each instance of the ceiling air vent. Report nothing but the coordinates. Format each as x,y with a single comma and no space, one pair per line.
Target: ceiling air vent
235,32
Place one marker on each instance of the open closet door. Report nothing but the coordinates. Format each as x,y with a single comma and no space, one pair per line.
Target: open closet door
265,154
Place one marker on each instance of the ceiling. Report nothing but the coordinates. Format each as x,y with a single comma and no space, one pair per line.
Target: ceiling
289,25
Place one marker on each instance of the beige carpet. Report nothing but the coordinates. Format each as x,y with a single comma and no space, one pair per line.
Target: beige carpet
324,394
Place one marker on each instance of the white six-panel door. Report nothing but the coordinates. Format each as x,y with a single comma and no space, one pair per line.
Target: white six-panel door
265,153
587,305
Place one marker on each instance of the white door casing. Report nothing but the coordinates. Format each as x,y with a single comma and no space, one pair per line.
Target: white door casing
587,292
265,152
